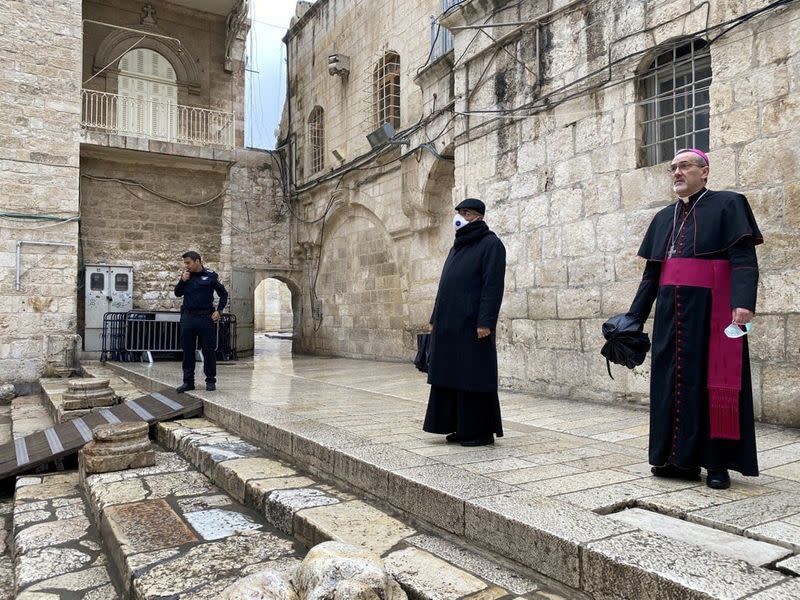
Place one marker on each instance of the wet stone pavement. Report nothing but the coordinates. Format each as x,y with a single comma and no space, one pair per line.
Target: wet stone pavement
567,459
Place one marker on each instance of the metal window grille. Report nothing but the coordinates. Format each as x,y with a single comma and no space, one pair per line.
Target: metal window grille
441,37
316,138
674,94
386,90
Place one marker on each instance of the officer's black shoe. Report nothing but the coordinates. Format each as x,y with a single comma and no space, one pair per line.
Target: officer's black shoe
184,387
210,387
671,471
718,480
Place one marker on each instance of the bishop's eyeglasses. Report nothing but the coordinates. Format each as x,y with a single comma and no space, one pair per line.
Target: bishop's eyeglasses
682,166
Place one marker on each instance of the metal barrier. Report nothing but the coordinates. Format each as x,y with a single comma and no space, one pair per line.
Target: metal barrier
135,335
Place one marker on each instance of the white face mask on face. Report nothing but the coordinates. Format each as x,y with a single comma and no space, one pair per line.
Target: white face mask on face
459,222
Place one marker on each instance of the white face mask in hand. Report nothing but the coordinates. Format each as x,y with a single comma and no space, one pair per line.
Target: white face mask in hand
735,331
459,222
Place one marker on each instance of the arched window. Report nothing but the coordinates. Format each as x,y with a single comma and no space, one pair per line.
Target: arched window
316,138
673,93
386,90
148,95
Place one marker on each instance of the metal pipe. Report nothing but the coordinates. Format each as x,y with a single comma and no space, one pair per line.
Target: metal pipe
139,31
31,243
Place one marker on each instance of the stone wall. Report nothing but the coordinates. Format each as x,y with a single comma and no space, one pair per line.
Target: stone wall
40,81
569,200
563,182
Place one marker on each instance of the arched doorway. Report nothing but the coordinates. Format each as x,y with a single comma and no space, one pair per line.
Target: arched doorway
274,317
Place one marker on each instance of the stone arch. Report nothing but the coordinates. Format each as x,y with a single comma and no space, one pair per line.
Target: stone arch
440,182
115,45
295,289
360,287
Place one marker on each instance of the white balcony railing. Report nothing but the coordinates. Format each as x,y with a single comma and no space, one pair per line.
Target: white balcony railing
157,120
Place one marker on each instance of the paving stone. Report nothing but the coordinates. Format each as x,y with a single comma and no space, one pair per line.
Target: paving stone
574,483
540,533
787,471
215,524
781,532
427,576
469,560
188,483
257,491
51,533
145,526
86,580
790,565
368,467
119,492
536,473
354,522
186,505
788,590
724,543
609,498
44,563
436,493
233,475
648,565
57,486
281,505
205,563
740,515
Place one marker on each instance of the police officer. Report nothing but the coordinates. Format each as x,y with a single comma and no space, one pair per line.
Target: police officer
198,316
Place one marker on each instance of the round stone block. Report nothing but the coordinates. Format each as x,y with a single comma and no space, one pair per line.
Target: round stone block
120,432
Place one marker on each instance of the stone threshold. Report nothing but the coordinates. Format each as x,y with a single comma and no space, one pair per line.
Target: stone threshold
570,545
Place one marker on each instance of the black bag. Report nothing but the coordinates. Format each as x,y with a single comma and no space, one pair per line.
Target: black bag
423,357
626,343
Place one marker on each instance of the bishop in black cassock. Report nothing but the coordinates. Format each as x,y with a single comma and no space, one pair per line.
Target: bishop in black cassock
702,274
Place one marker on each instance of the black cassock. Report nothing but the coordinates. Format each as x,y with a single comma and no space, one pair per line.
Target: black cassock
463,369
716,226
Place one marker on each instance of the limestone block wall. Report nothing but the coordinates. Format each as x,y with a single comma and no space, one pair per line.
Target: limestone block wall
570,201
40,48
124,224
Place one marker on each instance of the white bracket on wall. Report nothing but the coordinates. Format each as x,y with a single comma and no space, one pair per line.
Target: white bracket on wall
31,243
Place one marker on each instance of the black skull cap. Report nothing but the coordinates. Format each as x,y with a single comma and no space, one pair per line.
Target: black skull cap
472,204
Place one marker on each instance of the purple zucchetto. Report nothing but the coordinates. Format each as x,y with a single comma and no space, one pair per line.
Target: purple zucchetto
696,151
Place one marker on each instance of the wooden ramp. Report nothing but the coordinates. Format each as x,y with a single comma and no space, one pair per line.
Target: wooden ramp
26,453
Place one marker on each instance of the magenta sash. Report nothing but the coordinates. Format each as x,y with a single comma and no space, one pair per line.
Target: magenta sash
724,353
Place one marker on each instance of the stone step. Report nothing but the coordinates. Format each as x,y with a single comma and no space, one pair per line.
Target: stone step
57,549
426,565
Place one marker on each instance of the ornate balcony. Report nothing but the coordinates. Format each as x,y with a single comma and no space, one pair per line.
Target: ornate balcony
157,119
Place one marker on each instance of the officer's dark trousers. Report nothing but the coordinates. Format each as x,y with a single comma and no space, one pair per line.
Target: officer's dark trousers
192,328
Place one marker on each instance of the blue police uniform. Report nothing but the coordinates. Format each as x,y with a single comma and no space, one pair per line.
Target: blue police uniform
196,322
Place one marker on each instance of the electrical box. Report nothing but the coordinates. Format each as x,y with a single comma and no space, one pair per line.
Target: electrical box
108,288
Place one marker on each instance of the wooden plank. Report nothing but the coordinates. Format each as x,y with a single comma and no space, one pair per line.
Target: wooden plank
67,438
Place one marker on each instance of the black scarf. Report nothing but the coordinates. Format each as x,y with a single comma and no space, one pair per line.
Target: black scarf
471,233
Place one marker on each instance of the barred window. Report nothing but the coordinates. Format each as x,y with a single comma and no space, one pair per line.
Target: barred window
674,96
316,138
386,90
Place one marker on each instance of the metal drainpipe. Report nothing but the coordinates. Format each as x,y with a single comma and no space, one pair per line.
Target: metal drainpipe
19,255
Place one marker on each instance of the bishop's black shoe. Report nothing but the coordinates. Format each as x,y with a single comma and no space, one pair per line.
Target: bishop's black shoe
718,479
452,438
671,471
479,441
184,387
210,387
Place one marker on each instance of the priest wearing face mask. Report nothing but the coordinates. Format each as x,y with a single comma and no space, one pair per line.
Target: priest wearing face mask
462,372
702,274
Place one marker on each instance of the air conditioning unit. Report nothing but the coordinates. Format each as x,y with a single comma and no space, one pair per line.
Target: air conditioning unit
339,64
